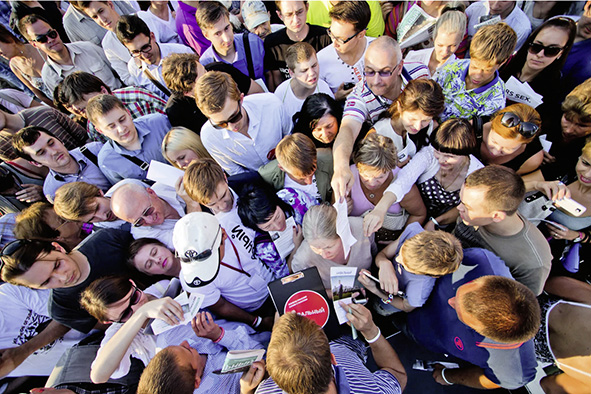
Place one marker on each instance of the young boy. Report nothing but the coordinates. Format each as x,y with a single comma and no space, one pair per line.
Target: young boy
472,87
214,20
420,257
304,72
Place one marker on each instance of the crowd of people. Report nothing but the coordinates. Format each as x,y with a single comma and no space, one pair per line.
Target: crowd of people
155,150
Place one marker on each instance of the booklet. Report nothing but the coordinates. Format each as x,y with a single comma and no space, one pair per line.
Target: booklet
164,173
283,240
304,293
190,304
521,92
486,20
240,360
416,27
342,284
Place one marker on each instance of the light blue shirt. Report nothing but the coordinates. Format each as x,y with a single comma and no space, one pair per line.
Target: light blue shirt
151,130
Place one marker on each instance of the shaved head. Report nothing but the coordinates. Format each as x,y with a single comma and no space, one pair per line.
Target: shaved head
125,199
384,46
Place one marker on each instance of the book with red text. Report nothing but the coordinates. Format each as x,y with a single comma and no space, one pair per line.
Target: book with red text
303,293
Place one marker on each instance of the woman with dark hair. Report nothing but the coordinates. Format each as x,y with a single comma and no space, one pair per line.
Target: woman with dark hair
269,214
152,257
319,119
540,60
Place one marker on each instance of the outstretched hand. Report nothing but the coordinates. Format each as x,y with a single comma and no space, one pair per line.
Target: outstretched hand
205,327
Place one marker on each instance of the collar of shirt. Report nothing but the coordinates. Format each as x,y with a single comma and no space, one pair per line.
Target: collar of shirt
218,58
140,134
58,68
62,177
482,88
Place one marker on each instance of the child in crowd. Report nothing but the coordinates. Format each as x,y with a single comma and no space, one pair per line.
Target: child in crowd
472,87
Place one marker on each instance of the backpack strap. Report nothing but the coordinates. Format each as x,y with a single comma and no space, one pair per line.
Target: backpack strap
156,82
248,55
89,155
138,162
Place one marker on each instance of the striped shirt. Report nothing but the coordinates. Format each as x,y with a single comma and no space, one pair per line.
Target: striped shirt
362,104
351,375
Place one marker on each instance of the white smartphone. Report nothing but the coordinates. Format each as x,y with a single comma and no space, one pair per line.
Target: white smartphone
570,206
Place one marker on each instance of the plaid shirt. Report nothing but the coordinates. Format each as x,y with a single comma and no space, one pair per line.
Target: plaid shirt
138,101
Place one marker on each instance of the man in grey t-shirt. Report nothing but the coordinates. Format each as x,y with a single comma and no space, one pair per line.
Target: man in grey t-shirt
489,219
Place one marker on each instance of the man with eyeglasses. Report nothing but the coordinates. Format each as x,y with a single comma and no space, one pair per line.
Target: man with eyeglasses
293,14
105,14
242,132
145,65
64,59
385,76
152,211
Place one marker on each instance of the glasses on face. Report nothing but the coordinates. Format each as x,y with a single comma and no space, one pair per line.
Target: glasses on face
526,129
193,255
43,38
136,296
550,51
145,49
10,248
64,222
368,72
340,41
235,118
147,212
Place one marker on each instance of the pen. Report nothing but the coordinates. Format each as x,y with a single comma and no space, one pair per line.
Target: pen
353,329
399,293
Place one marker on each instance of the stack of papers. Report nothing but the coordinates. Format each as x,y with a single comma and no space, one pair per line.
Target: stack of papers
521,92
416,27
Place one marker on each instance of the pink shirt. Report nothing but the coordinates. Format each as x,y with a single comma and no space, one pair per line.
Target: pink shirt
360,202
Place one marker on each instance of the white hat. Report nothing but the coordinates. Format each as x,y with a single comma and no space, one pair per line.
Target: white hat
254,13
196,239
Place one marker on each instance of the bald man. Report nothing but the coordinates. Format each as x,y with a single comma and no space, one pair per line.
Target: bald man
385,76
152,211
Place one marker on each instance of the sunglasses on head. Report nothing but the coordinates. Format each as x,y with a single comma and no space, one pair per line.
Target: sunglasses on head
549,51
43,38
192,255
136,295
526,129
10,248
235,118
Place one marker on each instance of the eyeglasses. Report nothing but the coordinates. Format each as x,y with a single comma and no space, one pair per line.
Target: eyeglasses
235,118
64,222
526,129
145,49
136,296
340,40
550,51
368,72
139,222
43,38
10,248
192,255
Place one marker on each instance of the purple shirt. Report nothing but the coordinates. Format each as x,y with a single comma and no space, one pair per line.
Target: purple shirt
189,30
257,51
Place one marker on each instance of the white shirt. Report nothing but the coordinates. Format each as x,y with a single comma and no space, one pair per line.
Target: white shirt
335,71
423,56
140,78
292,104
516,19
405,147
236,153
311,189
169,24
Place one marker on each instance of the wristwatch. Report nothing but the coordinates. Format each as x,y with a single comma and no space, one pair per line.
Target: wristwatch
579,237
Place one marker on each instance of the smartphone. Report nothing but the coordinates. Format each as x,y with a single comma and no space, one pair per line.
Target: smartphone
349,85
560,226
570,206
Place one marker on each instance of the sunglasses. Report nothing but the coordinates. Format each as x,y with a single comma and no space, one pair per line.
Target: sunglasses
340,40
136,296
43,38
526,129
139,222
192,255
10,248
550,51
235,118
145,49
368,72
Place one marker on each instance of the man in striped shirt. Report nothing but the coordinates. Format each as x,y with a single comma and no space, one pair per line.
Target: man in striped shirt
300,359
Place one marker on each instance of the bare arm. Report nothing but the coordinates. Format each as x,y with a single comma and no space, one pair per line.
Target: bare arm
468,376
227,310
414,205
342,179
531,164
448,217
28,84
274,79
254,88
13,357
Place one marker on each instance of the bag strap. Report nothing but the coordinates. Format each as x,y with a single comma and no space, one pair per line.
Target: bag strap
89,155
137,161
248,55
156,82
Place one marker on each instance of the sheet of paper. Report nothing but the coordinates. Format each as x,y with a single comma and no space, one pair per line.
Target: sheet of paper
283,240
521,92
190,304
164,173
342,284
545,143
487,22
343,228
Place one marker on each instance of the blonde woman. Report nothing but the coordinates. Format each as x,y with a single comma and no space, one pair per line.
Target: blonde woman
181,146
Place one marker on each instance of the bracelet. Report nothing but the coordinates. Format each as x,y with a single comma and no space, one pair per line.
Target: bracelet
257,322
221,335
434,221
443,376
374,338
389,300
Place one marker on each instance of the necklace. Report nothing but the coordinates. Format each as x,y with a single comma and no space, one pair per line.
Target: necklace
371,195
441,176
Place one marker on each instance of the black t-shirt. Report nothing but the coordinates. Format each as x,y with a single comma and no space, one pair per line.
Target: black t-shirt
106,252
276,45
183,111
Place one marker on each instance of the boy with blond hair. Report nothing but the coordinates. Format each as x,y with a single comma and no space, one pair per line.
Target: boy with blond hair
472,87
410,266
304,72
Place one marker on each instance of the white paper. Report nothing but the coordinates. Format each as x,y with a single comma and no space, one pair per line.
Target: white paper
546,145
491,21
342,284
521,92
190,304
415,27
343,228
283,240
164,173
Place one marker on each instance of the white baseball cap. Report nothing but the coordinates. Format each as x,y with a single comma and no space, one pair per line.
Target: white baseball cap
196,239
254,13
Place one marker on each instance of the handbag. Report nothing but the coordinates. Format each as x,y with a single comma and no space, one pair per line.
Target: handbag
535,207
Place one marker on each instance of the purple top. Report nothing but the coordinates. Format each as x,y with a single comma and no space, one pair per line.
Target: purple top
189,30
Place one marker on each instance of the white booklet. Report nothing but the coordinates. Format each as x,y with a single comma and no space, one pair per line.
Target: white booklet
342,284
521,92
283,240
190,304
416,27
240,360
